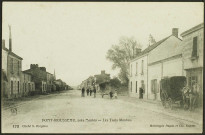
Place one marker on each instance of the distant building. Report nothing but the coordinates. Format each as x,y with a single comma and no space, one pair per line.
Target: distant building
60,85
102,80
193,42
27,86
39,77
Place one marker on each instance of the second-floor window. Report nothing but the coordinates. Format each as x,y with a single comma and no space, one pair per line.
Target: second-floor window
136,67
131,70
18,67
12,65
142,67
194,51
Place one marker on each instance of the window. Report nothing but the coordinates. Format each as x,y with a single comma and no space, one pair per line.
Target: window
131,86
131,70
136,86
194,51
18,87
143,85
142,67
12,65
11,87
136,68
18,67
154,86
191,80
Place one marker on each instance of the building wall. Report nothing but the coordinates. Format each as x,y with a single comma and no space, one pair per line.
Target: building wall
14,76
169,48
27,86
164,60
188,48
38,76
166,68
154,72
136,77
194,66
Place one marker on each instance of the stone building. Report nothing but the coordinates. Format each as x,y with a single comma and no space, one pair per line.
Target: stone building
11,65
27,86
193,41
49,82
39,77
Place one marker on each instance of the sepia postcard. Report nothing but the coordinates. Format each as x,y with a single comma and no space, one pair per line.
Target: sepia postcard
102,67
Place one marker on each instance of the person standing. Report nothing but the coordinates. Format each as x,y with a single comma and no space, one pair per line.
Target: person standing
87,91
83,92
193,95
94,91
91,92
111,94
140,93
115,94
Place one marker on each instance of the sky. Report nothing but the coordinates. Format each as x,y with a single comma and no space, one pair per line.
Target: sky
73,38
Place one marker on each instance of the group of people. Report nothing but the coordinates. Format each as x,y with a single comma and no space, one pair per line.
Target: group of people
190,95
89,91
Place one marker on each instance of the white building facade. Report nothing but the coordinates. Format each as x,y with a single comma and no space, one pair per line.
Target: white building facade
164,61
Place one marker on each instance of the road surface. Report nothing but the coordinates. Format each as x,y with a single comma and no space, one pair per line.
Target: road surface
68,112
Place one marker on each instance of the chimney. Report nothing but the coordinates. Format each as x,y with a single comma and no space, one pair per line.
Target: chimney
10,41
33,66
3,43
103,72
138,50
175,32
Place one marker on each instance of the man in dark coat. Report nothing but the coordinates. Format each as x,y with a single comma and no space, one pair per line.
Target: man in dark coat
83,92
141,93
87,91
91,92
94,91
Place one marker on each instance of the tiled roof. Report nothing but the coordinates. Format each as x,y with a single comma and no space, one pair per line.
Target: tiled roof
150,48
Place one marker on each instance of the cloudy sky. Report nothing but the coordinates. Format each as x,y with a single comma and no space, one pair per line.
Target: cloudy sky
73,38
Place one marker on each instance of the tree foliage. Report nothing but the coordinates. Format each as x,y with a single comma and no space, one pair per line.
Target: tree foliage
120,55
115,82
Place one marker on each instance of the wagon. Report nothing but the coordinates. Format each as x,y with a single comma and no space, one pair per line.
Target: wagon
171,91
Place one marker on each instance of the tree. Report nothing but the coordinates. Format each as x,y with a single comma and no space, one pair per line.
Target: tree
115,82
121,54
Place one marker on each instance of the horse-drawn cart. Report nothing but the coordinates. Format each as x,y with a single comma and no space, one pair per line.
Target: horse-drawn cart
171,91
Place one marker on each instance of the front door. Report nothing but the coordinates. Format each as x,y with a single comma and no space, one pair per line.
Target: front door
11,88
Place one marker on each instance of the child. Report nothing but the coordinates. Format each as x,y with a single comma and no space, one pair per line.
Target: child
115,94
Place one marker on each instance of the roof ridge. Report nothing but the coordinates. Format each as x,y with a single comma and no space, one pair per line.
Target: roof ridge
151,47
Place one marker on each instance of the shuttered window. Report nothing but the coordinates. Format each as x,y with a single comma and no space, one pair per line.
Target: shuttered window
194,51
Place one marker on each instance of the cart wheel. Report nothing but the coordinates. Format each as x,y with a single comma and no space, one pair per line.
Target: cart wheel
170,103
164,104
181,104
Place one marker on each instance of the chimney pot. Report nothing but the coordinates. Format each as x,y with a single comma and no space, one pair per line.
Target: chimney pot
175,32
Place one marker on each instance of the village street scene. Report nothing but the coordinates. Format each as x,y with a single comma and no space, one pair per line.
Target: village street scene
70,68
